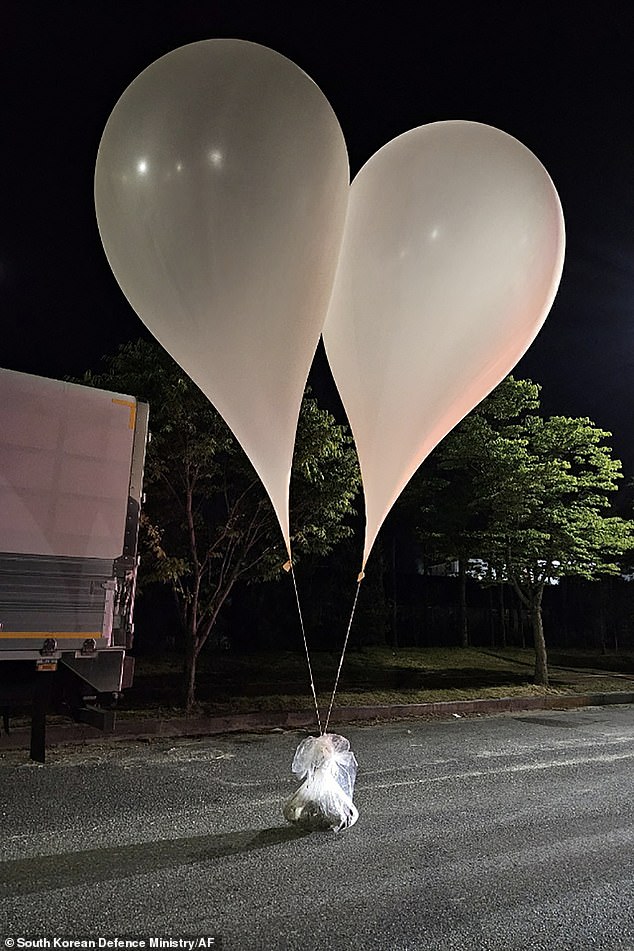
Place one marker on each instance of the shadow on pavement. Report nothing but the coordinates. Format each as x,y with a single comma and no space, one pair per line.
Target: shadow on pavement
43,872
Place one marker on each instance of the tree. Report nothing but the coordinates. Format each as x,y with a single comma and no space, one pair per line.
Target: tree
207,522
555,522
528,497
452,498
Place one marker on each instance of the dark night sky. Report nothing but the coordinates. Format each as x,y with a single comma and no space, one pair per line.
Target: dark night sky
558,76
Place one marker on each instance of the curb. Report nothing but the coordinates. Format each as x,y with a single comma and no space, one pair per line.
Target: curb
146,728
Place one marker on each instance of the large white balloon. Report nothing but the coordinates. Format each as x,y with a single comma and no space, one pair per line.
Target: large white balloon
221,187
452,255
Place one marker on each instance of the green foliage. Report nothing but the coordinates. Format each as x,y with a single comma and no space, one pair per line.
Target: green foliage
525,498
527,495
207,521
467,479
324,483
555,523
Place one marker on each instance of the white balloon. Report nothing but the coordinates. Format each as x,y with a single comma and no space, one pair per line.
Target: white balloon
221,187
452,255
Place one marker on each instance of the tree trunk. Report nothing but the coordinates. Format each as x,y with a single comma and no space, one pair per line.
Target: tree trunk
463,618
491,620
565,620
503,637
541,658
196,637
189,672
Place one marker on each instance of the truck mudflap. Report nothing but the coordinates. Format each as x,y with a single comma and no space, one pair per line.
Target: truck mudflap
103,671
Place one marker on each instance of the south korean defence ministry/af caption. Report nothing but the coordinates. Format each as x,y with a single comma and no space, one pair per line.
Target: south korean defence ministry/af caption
121,944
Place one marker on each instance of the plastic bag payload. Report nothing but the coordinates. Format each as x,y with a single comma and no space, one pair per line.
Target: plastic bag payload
328,768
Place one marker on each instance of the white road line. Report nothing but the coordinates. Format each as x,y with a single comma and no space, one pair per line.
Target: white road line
479,773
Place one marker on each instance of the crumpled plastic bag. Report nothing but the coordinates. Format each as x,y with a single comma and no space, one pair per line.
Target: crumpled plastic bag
328,768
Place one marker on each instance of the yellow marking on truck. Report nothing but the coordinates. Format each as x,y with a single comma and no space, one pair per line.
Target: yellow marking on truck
132,407
59,635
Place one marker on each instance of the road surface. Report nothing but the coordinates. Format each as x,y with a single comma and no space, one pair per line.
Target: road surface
492,834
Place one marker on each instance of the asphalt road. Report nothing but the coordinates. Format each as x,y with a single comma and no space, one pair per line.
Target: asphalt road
505,833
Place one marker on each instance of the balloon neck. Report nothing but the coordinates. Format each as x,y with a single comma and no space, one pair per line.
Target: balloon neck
360,576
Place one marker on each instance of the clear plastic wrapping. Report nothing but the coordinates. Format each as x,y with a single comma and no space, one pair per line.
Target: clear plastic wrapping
328,768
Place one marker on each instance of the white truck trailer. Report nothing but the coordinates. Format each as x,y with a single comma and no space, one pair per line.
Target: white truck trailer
71,473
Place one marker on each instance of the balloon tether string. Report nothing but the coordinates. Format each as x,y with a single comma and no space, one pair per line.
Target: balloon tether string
310,669
343,652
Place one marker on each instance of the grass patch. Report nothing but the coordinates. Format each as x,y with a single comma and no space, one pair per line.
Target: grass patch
240,683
